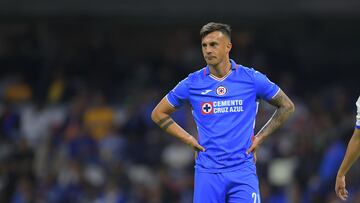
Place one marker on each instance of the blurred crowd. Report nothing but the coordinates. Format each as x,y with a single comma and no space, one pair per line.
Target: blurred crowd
75,108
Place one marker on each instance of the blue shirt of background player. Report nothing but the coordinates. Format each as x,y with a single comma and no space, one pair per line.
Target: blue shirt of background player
224,111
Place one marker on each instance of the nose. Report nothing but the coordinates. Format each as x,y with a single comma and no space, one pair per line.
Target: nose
207,50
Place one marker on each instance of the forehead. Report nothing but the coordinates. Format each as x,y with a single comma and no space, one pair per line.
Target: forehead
214,36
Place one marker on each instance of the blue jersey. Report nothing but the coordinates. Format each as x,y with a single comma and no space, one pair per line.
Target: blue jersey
224,111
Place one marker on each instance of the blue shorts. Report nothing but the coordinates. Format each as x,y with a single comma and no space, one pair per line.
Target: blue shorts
240,186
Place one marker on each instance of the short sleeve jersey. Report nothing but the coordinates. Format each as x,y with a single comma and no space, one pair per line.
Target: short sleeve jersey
224,111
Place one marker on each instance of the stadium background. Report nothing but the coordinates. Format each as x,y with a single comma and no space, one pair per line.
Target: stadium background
78,81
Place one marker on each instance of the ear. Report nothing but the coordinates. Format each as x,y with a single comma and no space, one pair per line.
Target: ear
228,47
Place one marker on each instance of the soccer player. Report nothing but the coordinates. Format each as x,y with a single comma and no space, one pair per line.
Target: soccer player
352,153
223,96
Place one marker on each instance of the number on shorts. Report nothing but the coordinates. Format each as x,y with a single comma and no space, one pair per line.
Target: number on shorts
256,197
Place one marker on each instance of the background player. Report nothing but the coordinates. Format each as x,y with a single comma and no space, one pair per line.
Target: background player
223,96
352,153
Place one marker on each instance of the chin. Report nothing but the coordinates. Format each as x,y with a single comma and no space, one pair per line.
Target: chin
211,62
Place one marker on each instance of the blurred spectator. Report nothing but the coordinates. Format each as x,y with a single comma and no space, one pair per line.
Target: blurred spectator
37,121
10,122
113,148
17,90
98,118
57,88
24,191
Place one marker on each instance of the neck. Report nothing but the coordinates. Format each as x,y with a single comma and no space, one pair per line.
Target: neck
221,69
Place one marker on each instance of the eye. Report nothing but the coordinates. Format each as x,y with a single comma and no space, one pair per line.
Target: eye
213,44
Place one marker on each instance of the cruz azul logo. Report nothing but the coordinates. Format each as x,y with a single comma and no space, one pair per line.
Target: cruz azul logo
225,106
207,108
221,90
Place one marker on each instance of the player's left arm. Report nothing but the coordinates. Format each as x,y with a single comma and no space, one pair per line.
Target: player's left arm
285,107
351,155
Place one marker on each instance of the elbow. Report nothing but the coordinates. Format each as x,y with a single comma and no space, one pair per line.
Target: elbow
291,107
154,115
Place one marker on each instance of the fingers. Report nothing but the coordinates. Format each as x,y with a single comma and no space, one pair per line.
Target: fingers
343,194
194,144
340,189
199,147
251,149
253,145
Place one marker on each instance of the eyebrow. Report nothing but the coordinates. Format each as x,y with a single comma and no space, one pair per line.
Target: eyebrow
211,42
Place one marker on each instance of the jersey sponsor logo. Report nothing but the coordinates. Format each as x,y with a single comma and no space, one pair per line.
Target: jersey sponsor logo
206,91
221,90
206,108
224,106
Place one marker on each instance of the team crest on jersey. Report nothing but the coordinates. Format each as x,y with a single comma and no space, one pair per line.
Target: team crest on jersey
221,90
207,108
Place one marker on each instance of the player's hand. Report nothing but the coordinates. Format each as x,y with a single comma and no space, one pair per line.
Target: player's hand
340,189
190,140
256,141
255,156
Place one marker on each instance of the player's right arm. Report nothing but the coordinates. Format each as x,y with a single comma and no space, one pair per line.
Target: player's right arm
161,116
